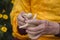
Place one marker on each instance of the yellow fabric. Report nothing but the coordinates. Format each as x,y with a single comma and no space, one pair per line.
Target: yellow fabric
45,10
17,8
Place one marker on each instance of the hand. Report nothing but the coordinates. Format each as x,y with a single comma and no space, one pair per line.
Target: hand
21,19
43,27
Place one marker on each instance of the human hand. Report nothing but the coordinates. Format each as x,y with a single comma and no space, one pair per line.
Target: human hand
42,27
21,19
26,17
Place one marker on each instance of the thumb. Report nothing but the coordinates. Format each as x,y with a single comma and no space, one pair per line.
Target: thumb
34,21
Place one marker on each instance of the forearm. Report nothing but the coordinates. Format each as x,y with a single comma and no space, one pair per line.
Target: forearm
58,35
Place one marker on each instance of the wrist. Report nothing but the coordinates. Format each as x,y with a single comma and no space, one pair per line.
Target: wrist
58,30
53,28
58,35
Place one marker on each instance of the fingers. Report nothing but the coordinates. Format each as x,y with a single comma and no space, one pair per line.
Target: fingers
25,18
20,23
34,33
34,37
20,17
37,28
33,21
37,22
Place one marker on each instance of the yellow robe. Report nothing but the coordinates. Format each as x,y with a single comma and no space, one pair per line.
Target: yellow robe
45,10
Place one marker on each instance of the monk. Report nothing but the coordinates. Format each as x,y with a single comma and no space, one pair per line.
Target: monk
47,21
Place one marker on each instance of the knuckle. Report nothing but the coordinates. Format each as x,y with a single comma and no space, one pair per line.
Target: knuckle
45,21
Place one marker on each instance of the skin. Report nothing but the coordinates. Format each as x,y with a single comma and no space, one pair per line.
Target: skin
43,27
